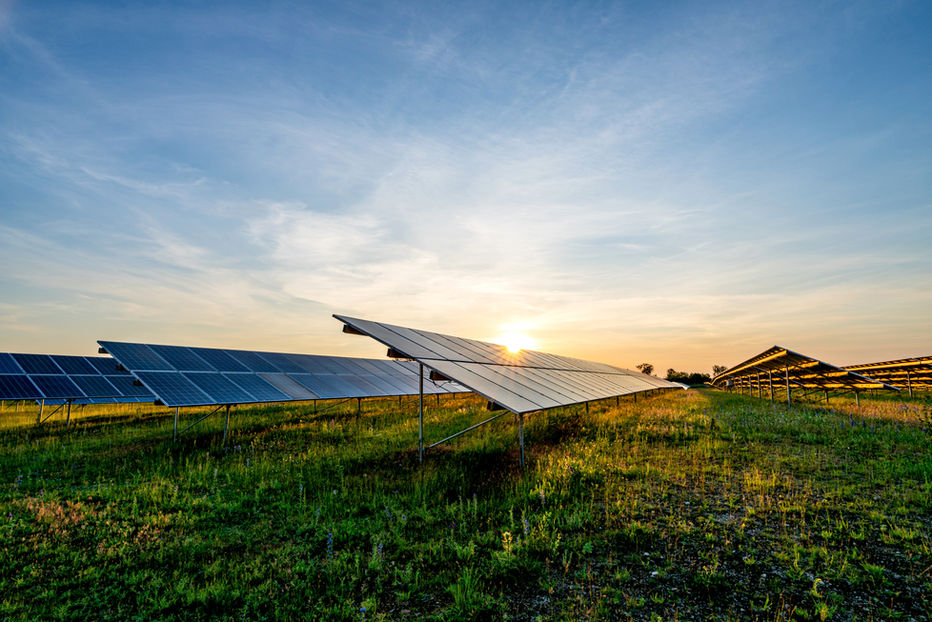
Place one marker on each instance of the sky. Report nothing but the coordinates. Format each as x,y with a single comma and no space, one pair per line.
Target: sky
685,184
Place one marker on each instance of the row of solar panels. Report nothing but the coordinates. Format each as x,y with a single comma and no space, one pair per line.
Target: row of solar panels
909,374
522,382
181,376
54,378
789,367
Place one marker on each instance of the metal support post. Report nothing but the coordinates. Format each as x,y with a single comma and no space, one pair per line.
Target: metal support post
587,408
68,418
616,401
826,397
521,437
175,429
315,407
857,399
438,400
39,416
226,426
770,378
909,383
786,371
358,407
758,386
420,415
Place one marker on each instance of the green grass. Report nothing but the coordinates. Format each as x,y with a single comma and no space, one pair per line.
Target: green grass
689,505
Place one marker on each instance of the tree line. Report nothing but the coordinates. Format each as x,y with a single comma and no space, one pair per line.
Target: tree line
690,378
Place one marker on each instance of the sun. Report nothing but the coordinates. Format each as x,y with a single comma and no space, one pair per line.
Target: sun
515,341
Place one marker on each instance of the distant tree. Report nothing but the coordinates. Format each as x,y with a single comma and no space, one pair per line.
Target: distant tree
717,369
646,368
690,378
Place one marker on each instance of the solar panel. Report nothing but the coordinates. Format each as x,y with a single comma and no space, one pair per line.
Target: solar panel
95,386
72,365
18,388
128,388
37,363
253,361
251,376
260,389
521,382
220,359
220,390
136,356
105,365
289,387
56,378
182,359
173,389
283,362
56,386
8,364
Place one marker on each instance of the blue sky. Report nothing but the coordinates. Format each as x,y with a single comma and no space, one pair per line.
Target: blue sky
680,183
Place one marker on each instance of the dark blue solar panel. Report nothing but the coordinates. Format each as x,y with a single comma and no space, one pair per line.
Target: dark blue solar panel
95,386
325,365
57,386
368,388
37,363
259,388
254,361
283,362
8,364
182,359
128,387
289,387
221,390
173,389
18,388
136,356
220,360
318,384
104,365
72,365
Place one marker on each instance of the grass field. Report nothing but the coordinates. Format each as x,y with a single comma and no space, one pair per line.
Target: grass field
684,506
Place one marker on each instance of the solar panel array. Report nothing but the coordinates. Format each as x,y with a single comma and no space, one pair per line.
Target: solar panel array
798,370
521,382
912,373
190,376
58,378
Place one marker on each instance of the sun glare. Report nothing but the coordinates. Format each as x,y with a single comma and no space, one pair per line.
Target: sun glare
515,342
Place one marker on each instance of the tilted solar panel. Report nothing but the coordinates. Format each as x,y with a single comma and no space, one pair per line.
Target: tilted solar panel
55,378
521,382
37,364
73,365
194,376
8,364
18,387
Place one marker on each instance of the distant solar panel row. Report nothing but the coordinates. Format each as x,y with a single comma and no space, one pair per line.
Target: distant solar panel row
909,374
60,378
521,382
190,376
799,370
